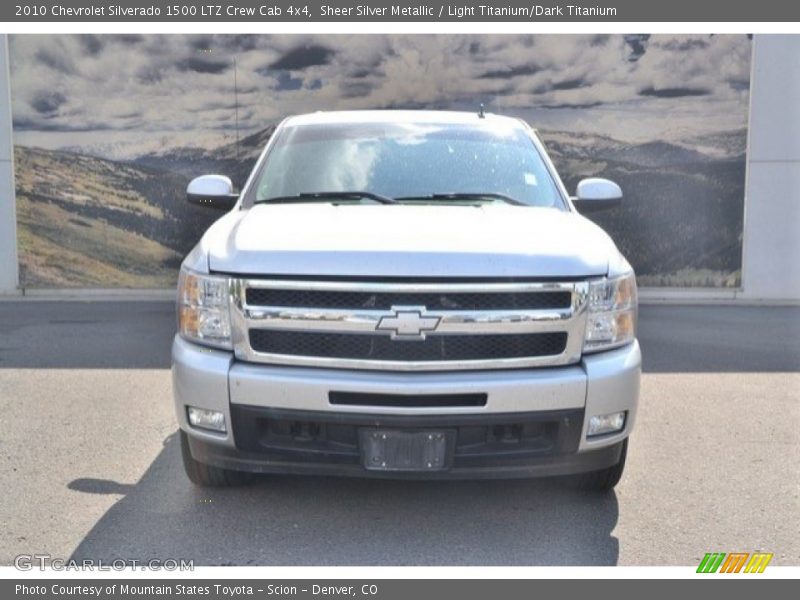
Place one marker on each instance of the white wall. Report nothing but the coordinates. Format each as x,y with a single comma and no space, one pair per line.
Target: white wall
8,216
771,262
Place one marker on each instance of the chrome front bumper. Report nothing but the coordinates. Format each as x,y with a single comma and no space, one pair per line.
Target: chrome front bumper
600,383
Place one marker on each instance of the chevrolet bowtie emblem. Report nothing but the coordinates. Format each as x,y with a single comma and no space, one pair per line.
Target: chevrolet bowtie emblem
408,323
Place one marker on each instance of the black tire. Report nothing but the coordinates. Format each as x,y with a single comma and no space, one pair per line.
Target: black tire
604,480
207,475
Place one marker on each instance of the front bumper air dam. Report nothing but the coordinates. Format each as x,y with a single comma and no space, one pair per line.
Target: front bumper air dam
602,383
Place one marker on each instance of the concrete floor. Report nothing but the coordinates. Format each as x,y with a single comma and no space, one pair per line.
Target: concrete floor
90,465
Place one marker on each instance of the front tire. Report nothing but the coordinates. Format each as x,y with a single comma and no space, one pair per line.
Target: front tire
205,475
604,480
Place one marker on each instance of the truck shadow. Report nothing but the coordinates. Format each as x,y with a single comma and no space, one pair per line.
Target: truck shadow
286,520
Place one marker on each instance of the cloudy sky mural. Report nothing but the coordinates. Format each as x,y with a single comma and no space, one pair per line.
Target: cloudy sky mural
109,129
148,92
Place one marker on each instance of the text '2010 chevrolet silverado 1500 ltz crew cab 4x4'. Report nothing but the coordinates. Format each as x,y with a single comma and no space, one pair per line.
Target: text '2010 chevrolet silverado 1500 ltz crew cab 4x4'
405,294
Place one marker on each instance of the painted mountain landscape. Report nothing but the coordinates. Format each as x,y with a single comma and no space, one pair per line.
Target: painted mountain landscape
110,129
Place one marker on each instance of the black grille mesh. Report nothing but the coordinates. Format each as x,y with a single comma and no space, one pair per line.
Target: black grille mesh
430,300
382,347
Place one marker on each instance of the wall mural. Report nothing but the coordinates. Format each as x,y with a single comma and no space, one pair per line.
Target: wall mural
109,129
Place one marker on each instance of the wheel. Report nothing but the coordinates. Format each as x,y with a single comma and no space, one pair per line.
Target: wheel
207,475
604,480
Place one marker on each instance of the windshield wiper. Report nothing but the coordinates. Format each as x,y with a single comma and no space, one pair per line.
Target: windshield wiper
311,196
466,196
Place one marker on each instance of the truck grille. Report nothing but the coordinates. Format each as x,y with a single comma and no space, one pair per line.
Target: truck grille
385,300
422,326
432,348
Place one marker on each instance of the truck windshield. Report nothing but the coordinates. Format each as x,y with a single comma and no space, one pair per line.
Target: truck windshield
410,162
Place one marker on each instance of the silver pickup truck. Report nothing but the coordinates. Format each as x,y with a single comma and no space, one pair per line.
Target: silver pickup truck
405,294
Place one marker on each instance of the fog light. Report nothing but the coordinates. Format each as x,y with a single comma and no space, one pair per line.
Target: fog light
207,419
602,424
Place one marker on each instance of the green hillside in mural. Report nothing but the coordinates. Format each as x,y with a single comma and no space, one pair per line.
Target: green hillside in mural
89,222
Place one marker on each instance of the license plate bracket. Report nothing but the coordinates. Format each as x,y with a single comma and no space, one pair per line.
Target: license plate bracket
403,450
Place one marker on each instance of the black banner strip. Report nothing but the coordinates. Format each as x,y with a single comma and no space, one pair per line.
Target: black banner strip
384,589
333,11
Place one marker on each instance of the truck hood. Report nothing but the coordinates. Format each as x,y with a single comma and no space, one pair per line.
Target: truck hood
407,241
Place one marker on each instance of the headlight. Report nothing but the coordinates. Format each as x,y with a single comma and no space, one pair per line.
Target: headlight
203,313
612,313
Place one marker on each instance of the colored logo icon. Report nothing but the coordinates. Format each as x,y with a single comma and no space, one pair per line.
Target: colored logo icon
734,562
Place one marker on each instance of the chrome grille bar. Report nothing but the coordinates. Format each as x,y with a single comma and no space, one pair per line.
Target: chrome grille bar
366,321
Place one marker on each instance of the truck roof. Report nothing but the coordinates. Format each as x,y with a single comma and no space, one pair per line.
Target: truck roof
401,116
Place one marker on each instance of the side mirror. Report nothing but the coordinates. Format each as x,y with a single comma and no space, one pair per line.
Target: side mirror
212,191
595,194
